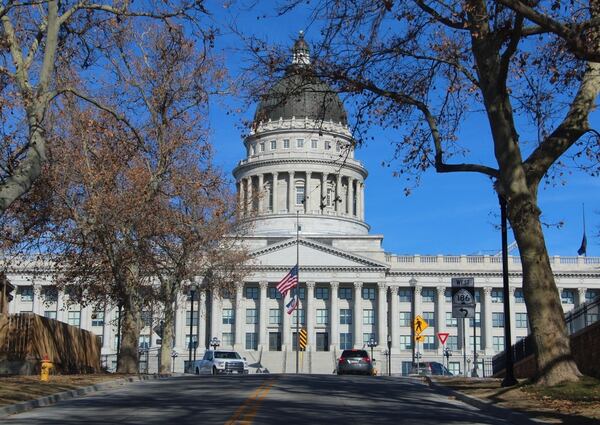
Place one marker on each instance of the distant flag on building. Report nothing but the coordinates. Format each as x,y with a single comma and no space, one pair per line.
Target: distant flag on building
289,281
583,248
291,306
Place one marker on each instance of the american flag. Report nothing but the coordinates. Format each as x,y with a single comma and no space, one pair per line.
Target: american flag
289,281
291,306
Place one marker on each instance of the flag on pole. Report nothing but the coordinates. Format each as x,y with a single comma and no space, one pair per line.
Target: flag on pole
583,248
291,306
289,281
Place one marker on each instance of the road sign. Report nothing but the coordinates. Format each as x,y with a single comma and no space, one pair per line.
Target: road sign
463,297
463,311
420,338
420,325
443,336
303,339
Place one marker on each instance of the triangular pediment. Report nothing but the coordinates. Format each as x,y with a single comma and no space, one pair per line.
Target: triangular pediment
312,254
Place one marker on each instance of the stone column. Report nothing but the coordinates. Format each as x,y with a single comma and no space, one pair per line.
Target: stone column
338,192
352,196
440,313
85,318
382,325
417,300
291,201
201,319
334,315
240,196
348,184
286,336
310,315
359,200
358,312
239,309
262,315
486,326
275,189
107,333
250,195
216,317
394,316
261,193
307,178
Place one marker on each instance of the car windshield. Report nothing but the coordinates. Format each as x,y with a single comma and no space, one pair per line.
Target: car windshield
227,355
354,353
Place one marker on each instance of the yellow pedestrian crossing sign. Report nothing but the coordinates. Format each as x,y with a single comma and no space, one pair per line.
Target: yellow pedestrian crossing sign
420,325
420,338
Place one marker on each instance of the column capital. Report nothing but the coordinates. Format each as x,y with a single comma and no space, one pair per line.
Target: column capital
334,285
310,285
263,284
487,290
582,292
275,173
394,288
512,289
239,286
358,285
382,285
418,289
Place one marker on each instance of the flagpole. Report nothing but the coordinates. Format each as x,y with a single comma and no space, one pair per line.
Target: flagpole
297,288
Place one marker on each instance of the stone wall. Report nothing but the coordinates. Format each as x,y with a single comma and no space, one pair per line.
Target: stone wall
26,338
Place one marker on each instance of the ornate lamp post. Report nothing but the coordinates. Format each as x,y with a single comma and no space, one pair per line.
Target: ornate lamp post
174,355
389,344
214,342
193,290
372,344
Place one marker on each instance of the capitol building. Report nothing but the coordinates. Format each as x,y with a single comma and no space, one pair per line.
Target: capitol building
300,168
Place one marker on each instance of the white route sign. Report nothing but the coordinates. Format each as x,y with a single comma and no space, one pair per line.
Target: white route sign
463,297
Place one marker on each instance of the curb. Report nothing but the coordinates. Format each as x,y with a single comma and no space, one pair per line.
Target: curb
484,405
49,400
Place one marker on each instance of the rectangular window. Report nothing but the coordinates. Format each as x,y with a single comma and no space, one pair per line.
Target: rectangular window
497,296
591,318
345,316
448,295
428,295
227,339
454,368
189,319
451,322
50,314
251,316
299,143
51,294
74,318
477,342
368,317
26,293
321,293
452,343
262,146
98,318
327,145
405,318
429,342
144,342
345,293
286,143
146,317
498,343
274,294
274,316
521,320
301,292
251,292
273,145
477,294
345,341
498,320
590,294
322,316
405,342
368,293
519,298
477,320
251,341
405,295
567,296
299,195
302,318
228,316
314,144
367,337
429,317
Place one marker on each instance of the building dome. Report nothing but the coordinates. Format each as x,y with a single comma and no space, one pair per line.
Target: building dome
300,94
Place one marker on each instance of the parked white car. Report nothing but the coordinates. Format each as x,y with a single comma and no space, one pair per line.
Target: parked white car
215,362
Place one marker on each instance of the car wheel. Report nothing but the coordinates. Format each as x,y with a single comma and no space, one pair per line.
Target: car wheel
197,371
214,370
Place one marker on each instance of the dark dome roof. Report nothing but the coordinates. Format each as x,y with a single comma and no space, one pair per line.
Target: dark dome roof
301,94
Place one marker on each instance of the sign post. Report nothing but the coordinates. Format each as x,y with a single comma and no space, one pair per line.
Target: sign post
443,337
463,307
419,325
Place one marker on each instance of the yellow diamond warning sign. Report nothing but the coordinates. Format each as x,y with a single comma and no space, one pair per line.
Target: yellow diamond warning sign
420,325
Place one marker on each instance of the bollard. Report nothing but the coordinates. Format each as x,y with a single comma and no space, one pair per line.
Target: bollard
45,369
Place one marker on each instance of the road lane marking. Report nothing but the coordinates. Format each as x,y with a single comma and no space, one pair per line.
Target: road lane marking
251,404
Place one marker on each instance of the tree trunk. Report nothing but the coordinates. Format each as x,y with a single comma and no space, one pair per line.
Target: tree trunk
555,362
130,331
168,325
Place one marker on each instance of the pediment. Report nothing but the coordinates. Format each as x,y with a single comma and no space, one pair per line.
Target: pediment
312,254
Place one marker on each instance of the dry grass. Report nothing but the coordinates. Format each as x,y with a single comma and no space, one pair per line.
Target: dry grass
569,404
16,389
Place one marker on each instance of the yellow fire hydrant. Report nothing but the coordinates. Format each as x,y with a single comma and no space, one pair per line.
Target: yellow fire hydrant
45,369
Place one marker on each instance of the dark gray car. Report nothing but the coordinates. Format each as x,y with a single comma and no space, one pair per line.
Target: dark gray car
356,362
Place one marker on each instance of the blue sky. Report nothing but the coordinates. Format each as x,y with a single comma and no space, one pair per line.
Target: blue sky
447,213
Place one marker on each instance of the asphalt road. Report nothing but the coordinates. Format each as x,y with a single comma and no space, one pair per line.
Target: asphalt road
262,399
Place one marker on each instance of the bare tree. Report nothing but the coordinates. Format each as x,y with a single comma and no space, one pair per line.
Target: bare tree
424,67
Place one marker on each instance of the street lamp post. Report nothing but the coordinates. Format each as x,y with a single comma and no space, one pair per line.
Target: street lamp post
191,343
389,359
214,342
447,354
174,355
371,344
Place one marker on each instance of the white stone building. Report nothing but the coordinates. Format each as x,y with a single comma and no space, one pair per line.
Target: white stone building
300,165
